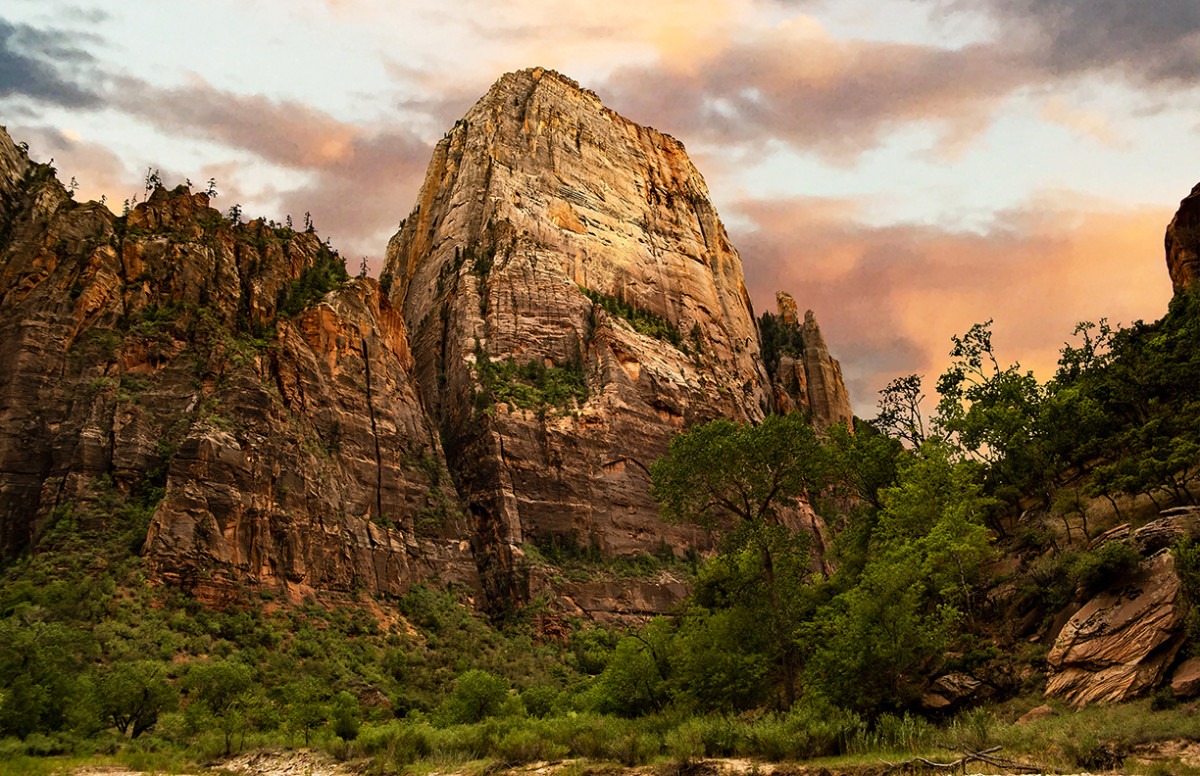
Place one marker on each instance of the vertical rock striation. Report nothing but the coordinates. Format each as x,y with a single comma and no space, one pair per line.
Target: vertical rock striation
804,377
551,231
173,364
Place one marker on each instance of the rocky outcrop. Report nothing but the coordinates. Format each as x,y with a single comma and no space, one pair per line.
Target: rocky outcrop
1123,641
804,377
222,381
573,303
1183,243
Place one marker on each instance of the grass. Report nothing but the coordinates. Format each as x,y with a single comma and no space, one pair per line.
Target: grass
1069,741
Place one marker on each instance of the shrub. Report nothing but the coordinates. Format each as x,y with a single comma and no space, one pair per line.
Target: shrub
476,696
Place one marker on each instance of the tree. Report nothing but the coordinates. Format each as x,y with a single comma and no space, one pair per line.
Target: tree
130,696
991,415
737,480
924,558
635,680
347,716
476,695
304,708
219,693
899,413
40,668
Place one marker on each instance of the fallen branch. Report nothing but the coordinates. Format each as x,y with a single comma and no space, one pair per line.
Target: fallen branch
969,756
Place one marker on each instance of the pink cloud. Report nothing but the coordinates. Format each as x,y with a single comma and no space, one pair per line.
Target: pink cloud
889,298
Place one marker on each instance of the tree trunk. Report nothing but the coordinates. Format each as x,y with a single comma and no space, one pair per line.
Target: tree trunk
787,665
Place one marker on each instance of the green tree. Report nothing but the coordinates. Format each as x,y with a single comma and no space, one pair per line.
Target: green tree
635,681
738,481
991,414
304,708
218,694
130,696
347,716
41,667
924,558
476,695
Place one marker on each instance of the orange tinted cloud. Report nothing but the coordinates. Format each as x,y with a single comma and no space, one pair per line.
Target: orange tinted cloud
1089,124
840,97
97,171
889,298
280,131
363,180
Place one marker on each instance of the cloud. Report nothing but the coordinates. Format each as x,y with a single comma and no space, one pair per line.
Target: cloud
360,200
361,180
1091,125
797,84
96,169
1151,41
283,132
889,297
34,64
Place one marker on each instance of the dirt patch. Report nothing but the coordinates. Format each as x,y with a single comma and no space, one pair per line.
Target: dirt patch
1186,751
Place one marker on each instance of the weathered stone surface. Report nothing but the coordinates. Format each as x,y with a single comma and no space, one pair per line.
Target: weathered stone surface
952,690
144,360
1123,640
1035,714
156,357
539,193
1169,528
1185,680
1183,242
807,379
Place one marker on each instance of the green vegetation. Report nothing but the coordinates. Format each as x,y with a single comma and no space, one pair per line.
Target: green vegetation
777,339
642,321
327,273
772,655
530,386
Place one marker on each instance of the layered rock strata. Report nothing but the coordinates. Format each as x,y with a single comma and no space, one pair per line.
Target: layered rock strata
1124,640
804,376
150,369
560,304
553,234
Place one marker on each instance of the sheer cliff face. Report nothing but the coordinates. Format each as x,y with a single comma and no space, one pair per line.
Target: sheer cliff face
544,224
145,364
1183,243
806,378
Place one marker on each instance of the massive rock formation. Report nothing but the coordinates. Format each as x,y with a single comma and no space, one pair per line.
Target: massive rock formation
550,231
150,369
563,301
804,376
1183,242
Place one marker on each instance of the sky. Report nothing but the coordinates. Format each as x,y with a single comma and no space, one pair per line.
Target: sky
904,168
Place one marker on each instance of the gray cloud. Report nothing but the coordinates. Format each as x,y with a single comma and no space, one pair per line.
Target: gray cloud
1152,41
838,98
33,61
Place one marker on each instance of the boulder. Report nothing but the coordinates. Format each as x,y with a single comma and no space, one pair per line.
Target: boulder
1185,681
1035,714
1121,642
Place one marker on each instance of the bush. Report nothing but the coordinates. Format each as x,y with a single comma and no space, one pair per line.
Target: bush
528,744
1095,570
477,695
